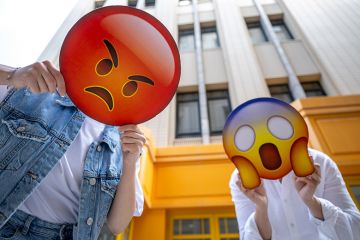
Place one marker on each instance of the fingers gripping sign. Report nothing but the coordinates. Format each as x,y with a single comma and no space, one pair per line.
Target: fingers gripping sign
39,77
132,140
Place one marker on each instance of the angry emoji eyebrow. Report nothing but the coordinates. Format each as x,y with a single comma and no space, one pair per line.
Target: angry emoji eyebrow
142,79
112,52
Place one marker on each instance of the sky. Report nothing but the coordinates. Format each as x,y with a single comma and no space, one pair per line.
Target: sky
26,27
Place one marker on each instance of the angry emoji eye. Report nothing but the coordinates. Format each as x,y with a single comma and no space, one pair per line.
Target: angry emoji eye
244,138
130,88
104,67
280,127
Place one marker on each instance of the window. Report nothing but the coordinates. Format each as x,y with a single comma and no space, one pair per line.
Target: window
209,38
191,226
99,3
186,40
187,115
132,3
228,228
256,32
282,92
149,3
218,108
210,226
281,30
313,89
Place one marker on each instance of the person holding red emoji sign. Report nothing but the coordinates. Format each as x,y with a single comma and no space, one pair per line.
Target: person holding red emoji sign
69,164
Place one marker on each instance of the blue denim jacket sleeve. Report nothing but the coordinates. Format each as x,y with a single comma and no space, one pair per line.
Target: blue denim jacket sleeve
35,132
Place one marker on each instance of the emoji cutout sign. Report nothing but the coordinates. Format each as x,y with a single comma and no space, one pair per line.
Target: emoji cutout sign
267,138
120,65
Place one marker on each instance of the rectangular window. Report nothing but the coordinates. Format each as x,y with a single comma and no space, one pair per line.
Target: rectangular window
256,32
214,226
191,226
186,40
187,115
132,3
281,30
209,38
218,108
281,92
149,3
313,89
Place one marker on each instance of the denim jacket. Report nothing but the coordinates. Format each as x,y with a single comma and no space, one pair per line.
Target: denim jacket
35,132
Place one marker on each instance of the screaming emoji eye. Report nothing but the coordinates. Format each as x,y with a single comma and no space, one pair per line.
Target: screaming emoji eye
280,127
104,67
129,88
244,138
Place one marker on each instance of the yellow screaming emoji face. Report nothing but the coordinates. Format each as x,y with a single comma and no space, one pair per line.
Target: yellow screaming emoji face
266,138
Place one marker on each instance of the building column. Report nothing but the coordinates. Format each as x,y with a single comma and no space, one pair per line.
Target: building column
244,75
205,132
294,84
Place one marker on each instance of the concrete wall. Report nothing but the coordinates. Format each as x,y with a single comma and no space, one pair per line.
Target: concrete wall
331,28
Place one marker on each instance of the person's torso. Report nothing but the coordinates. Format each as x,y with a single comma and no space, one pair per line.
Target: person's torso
287,212
35,132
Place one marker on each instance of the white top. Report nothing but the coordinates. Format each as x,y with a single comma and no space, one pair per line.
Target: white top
56,199
289,216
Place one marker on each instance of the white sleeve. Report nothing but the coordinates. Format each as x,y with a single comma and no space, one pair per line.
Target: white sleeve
245,212
3,91
139,195
341,217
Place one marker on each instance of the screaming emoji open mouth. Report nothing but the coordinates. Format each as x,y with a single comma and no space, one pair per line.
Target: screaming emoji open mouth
103,94
270,156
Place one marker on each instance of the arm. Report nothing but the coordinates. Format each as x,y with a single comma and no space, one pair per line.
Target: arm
39,77
334,213
251,210
341,217
124,204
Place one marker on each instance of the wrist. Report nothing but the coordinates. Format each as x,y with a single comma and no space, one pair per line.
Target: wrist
9,77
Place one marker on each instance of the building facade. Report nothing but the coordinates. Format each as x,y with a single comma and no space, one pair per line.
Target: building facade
303,52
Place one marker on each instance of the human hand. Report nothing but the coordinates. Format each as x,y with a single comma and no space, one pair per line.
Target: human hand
256,195
39,77
133,140
306,186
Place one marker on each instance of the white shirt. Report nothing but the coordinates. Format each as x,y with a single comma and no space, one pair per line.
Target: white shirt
290,218
56,199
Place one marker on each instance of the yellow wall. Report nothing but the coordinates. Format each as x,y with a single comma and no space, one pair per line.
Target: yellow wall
195,178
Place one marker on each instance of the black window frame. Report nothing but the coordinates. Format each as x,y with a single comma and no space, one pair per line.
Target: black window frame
257,25
280,22
190,134
150,3
131,3
208,29
319,89
219,132
186,32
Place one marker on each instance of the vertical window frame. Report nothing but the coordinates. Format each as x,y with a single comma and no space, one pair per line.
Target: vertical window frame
219,132
193,134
